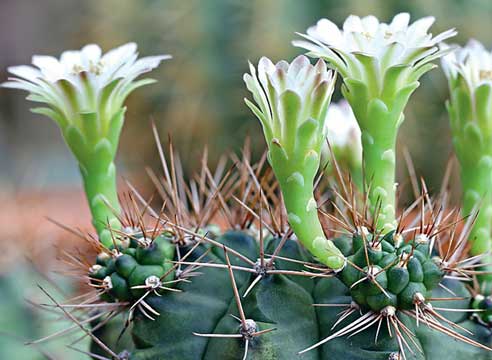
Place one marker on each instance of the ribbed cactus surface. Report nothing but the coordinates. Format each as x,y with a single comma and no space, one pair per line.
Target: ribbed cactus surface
228,300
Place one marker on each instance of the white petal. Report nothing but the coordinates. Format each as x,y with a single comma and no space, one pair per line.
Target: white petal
400,22
146,64
283,65
297,64
444,36
475,46
422,26
120,69
265,66
320,67
18,85
90,54
326,31
49,66
24,71
341,125
119,54
370,24
69,59
353,24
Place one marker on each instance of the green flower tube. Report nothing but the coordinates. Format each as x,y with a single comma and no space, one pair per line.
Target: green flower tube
380,65
344,137
84,92
291,103
469,73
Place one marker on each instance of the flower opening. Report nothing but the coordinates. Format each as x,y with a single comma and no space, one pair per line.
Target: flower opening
83,81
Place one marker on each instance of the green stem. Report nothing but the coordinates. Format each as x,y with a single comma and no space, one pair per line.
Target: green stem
101,192
476,182
296,182
94,145
379,172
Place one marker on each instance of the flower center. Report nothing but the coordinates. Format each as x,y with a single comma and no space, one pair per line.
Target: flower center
76,69
94,68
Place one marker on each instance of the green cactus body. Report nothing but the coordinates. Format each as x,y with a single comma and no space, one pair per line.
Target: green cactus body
362,346
383,275
283,303
207,303
136,263
483,305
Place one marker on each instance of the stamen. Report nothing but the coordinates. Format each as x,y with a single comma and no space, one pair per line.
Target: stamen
485,74
77,69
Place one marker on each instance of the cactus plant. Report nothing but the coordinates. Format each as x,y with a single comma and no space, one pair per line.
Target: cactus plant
238,264
269,284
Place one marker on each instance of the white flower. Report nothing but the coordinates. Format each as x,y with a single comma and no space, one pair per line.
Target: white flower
393,44
472,62
342,128
287,96
84,81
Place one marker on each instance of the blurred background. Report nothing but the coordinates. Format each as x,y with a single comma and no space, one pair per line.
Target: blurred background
198,100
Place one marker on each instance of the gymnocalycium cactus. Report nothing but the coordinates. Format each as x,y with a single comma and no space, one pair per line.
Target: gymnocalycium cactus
380,65
245,289
84,92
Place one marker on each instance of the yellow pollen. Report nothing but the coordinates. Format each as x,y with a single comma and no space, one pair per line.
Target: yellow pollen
77,69
96,69
485,74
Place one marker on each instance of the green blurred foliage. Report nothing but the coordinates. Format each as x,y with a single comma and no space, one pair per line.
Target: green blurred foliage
23,320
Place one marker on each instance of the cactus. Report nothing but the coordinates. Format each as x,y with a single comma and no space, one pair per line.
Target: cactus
246,294
269,281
